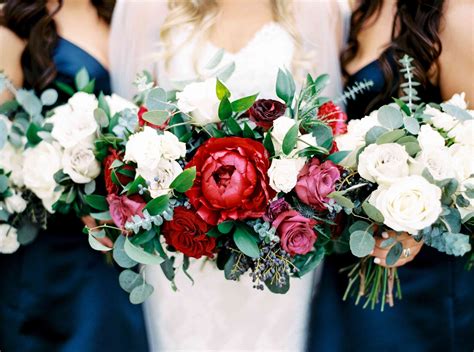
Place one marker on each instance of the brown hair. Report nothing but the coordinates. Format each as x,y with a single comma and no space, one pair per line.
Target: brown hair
30,20
415,32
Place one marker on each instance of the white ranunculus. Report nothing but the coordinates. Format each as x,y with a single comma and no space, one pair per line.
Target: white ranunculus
15,203
117,104
384,163
80,164
160,178
144,148
11,160
462,161
440,119
410,204
171,147
463,132
84,102
8,239
40,164
199,99
428,138
283,173
281,126
437,161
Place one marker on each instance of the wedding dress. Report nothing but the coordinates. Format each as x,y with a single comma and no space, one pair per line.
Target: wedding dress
213,313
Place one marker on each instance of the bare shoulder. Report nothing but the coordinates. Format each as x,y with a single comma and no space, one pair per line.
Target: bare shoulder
10,56
457,20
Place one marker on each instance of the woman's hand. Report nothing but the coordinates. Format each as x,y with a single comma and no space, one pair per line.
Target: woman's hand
90,222
410,249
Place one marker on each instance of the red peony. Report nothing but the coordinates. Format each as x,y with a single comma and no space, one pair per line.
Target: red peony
231,180
296,232
334,117
110,186
187,234
142,122
264,111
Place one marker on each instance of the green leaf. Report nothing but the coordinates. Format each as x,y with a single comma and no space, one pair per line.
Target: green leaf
390,137
3,183
320,83
141,293
29,101
103,216
461,201
323,135
158,205
394,253
361,243
27,233
337,157
133,187
32,134
388,242
89,187
246,242
96,245
143,237
225,109
248,132
229,266
233,126
312,262
65,88
361,226
168,268
274,288
225,227
285,87
89,88
412,148
341,200
214,232
243,104
103,104
372,212
268,144
374,133
390,117
3,133
412,125
221,90
290,139
49,97
156,99
184,181
101,117
119,255
97,202
156,117
128,280
403,106
139,255
82,79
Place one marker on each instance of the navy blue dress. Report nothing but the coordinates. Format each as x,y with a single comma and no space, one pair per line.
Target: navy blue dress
58,294
437,309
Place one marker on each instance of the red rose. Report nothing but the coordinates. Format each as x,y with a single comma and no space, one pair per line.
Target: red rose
187,234
264,111
296,232
316,181
123,208
231,180
334,117
110,186
142,122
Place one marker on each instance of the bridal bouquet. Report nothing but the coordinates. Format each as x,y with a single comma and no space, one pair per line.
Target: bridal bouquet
410,172
245,182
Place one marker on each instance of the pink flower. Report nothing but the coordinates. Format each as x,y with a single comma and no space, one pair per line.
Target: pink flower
296,232
123,208
316,181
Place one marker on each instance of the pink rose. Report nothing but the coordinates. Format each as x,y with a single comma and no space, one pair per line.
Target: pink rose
316,181
123,208
296,232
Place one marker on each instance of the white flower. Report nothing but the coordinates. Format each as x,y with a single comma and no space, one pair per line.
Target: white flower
283,173
469,183
384,163
440,119
462,161
144,148
437,161
430,138
40,164
463,132
80,164
171,147
8,239
117,104
281,126
11,160
410,204
200,100
160,178
15,203
84,102
459,100
305,141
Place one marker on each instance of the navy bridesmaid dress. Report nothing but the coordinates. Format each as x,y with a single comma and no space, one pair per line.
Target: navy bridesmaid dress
58,294
437,309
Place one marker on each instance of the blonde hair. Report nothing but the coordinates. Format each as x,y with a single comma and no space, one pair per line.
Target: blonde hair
202,15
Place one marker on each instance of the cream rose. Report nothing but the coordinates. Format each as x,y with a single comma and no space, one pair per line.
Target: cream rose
199,99
384,163
160,178
428,138
8,239
144,148
80,164
171,147
463,132
462,161
440,119
84,102
437,161
283,173
410,204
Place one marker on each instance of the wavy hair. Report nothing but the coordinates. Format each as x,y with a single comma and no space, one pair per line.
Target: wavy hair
33,22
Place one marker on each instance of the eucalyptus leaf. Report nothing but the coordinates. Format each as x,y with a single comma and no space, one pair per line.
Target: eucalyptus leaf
82,79
372,212
341,200
119,255
323,135
49,97
97,245
390,137
128,280
412,125
155,99
3,133
103,216
139,255
141,293
394,253
225,72
337,157
456,112
374,133
29,101
215,60
390,117
27,233
156,117
361,243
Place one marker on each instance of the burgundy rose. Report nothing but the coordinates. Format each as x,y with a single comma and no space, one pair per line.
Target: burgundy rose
296,232
231,181
276,208
316,181
110,186
142,122
264,111
123,208
334,117
187,234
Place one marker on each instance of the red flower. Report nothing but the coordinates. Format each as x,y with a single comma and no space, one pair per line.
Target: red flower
231,180
142,122
187,234
296,232
110,186
264,111
334,117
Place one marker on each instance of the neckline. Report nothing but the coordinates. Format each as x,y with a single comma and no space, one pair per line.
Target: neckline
363,68
67,41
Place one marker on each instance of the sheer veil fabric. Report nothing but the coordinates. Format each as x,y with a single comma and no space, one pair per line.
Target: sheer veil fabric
215,314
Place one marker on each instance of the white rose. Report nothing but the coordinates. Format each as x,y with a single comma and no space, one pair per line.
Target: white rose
410,204
8,239
84,102
160,179
171,147
384,163
200,100
15,203
11,160
281,126
437,161
117,104
440,119
428,138
283,173
463,132
40,165
144,148
80,164
462,161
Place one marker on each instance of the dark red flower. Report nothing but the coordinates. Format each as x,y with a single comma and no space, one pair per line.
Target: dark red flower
110,186
187,234
276,208
231,181
264,111
296,232
142,122
334,117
